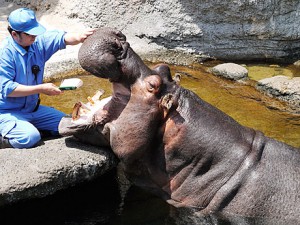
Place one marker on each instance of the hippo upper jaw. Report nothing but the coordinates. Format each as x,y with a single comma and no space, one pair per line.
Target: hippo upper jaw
108,55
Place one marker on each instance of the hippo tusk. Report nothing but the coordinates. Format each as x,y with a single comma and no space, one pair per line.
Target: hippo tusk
80,108
97,95
75,111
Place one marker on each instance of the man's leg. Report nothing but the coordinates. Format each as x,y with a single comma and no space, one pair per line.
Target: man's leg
47,119
17,132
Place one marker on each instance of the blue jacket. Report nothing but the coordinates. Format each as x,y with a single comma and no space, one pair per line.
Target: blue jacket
16,68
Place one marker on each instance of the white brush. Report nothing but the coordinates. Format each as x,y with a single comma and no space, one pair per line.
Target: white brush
70,84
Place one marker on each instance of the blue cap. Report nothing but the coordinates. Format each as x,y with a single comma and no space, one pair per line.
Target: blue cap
24,20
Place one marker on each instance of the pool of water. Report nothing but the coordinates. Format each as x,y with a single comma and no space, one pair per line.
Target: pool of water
261,71
109,200
241,101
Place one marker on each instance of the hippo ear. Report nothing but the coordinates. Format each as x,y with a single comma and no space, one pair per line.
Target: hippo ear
122,49
167,101
177,78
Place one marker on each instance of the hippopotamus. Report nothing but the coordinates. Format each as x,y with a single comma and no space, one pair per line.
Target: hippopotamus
174,144
107,54
193,155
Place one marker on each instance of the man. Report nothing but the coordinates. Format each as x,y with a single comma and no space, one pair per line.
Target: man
22,60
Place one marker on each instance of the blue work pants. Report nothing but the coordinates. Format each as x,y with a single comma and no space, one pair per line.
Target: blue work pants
22,129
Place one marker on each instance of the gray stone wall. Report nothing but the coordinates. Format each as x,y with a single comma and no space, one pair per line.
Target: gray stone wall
225,29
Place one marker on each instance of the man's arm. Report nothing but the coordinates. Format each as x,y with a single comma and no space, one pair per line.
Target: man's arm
24,90
76,38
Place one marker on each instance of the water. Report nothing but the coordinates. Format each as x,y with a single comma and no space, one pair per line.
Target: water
109,200
101,202
261,71
241,101
244,103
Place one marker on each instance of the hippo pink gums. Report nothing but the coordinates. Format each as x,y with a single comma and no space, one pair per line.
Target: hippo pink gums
180,147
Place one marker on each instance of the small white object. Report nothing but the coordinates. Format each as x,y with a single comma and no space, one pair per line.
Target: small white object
70,84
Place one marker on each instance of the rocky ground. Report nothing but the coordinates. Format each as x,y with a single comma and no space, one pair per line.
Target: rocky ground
282,87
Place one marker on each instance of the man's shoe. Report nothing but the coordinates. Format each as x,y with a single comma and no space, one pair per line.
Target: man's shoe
4,143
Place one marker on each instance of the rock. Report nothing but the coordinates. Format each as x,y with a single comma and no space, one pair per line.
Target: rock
231,71
222,29
297,63
56,164
282,87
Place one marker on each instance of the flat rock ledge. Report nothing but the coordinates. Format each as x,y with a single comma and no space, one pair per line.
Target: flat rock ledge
54,165
282,87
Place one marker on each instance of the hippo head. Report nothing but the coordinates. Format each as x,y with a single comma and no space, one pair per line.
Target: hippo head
107,54
131,134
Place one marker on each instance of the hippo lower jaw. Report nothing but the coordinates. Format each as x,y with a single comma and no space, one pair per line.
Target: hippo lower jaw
81,122
85,131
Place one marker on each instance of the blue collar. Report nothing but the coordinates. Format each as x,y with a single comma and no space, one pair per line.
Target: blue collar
19,48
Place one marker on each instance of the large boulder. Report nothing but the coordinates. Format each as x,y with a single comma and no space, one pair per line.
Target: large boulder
54,165
231,71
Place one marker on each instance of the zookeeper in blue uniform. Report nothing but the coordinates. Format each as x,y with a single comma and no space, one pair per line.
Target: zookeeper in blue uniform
22,60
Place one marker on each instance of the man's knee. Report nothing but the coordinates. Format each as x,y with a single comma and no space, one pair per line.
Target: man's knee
28,140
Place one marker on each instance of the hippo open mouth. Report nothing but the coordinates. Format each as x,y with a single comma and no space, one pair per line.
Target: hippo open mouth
108,55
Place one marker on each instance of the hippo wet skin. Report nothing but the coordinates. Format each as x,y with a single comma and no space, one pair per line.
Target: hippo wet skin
194,155
176,145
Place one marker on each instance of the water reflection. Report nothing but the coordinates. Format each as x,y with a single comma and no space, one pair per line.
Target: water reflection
244,103
101,202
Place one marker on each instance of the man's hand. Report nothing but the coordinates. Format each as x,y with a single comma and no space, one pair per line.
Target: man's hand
50,89
76,38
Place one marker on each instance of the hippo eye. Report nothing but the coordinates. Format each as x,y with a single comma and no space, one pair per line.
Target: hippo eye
153,83
152,86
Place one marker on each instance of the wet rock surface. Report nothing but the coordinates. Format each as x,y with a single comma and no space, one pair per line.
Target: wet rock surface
283,88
